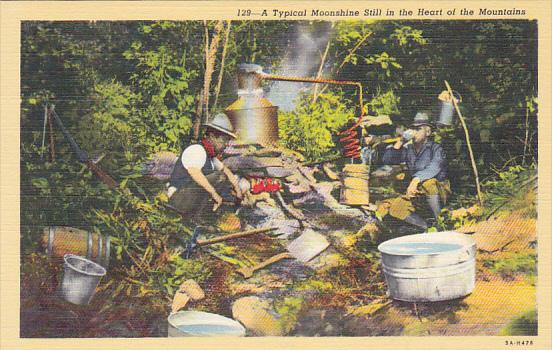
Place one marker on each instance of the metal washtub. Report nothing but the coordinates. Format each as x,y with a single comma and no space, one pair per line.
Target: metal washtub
203,324
429,266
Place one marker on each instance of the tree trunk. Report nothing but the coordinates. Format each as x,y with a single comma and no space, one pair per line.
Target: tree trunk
202,107
321,69
224,47
210,57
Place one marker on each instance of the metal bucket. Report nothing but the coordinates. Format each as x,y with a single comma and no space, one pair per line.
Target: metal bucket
80,279
446,115
202,324
429,267
354,185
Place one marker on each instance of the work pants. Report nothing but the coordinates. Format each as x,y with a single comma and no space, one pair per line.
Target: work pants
192,201
402,207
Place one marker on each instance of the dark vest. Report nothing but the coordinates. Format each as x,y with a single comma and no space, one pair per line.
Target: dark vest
180,176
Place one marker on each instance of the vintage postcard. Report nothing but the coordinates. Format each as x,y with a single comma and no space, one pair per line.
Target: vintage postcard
292,174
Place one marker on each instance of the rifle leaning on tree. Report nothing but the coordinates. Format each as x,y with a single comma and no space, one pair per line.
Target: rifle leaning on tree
82,155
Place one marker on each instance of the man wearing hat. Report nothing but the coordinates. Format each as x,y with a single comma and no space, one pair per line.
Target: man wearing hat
427,167
197,174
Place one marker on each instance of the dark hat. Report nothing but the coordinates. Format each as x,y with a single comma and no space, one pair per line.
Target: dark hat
421,118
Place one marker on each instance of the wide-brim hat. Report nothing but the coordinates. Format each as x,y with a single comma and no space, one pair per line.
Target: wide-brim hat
421,118
221,122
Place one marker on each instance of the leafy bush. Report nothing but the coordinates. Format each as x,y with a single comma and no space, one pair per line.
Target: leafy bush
311,129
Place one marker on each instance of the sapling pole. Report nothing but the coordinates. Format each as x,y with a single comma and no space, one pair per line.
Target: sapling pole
224,48
52,139
321,67
470,151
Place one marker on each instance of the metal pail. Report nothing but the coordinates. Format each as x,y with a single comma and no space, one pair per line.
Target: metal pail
80,279
202,324
429,266
446,115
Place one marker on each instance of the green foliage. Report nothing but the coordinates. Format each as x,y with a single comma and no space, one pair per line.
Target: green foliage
525,324
512,189
289,309
311,128
510,267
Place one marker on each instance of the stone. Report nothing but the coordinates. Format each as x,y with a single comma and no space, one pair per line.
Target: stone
311,197
193,289
180,300
308,173
297,188
278,172
286,227
265,152
257,316
248,162
329,170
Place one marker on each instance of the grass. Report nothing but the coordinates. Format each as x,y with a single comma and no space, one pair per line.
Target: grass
525,324
510,267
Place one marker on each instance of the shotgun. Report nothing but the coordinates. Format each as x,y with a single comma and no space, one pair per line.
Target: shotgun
82,155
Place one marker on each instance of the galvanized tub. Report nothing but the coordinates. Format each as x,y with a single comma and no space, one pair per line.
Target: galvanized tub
202,324
429,266
80,279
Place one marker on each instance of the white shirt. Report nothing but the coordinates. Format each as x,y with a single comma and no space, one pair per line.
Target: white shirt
195,156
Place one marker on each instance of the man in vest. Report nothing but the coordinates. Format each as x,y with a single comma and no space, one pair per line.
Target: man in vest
199,175
427,167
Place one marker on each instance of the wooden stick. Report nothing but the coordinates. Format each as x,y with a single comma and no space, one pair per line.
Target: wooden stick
235,235
52,138
526,144
247,272
467,133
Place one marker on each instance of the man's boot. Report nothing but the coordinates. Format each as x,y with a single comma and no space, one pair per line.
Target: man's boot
434,204
416,220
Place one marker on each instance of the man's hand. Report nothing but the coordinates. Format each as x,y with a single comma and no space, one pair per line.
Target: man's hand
398,144
234,181
238,191
217,199
412,189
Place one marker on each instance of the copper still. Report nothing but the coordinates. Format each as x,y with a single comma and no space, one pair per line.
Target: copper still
254,118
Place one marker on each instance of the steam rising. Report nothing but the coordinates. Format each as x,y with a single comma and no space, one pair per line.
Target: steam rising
302,60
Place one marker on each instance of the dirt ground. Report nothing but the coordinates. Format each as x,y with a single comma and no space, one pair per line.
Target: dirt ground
345,295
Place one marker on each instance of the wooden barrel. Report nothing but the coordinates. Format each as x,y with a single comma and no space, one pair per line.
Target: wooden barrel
354,185
61,240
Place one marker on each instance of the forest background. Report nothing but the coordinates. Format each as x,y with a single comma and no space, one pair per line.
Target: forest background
130,89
